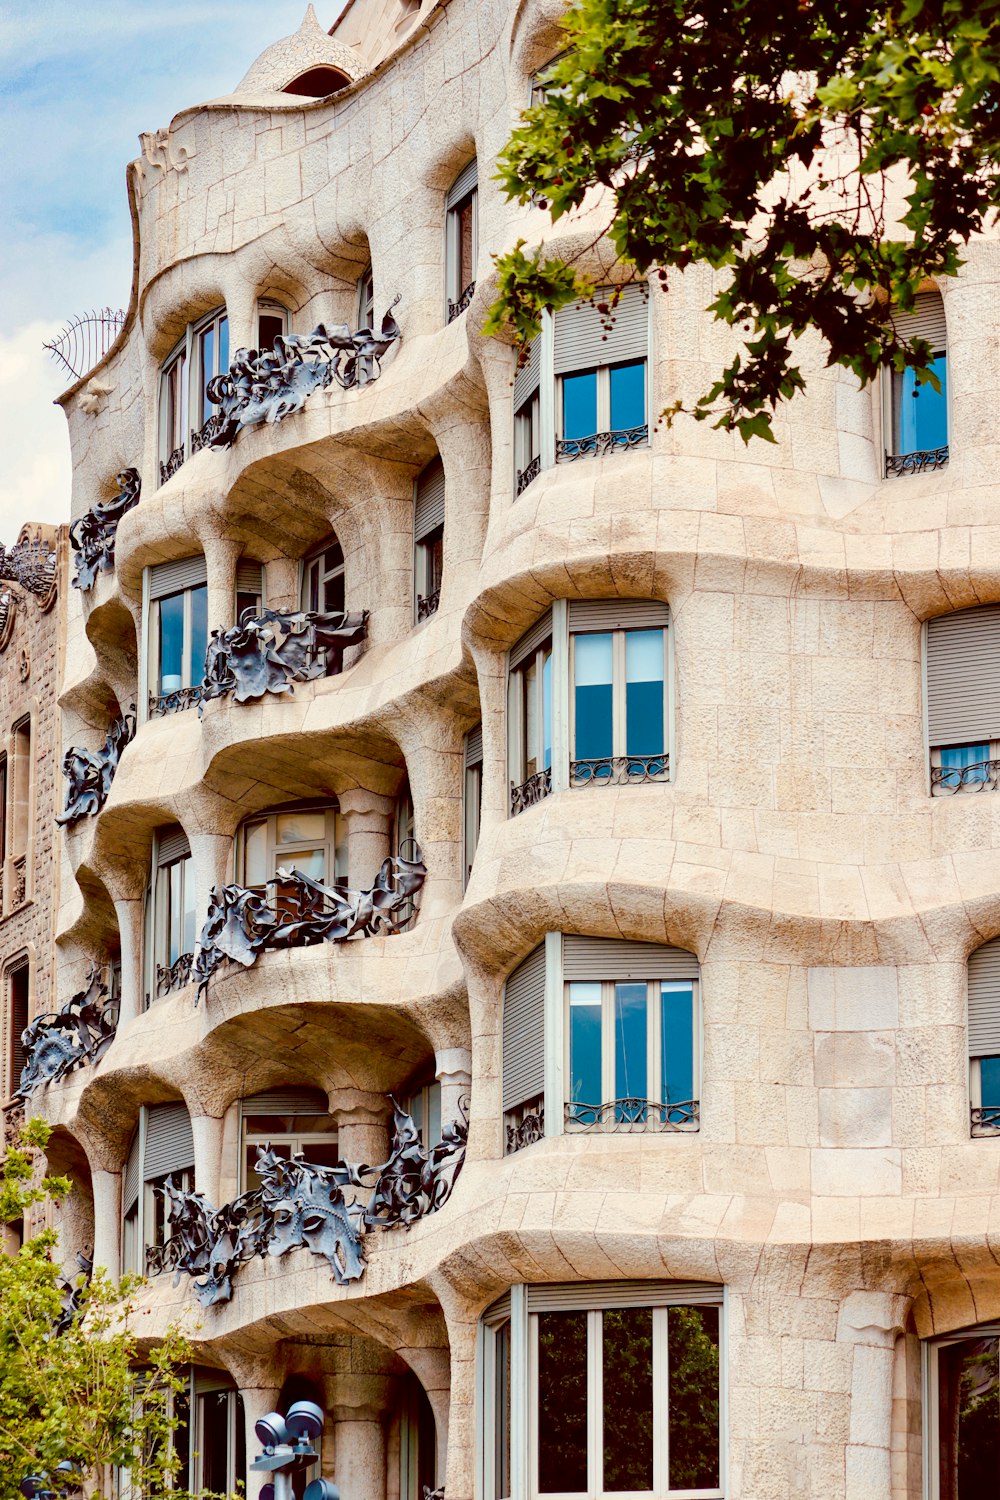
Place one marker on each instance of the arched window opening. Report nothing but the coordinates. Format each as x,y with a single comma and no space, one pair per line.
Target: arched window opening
317,82
290,1121
162,1147
185,410
428,539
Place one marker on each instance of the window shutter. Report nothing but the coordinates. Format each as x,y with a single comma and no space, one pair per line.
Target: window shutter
498,1310
580,338
617,614
206,1381
602,1294
428,511
527,377
614,958
524,1031
927,321
963,676
133,1176
171,577
531,640
984,1000
249,577
172,844
169,1142
474,746
289,1101
466,180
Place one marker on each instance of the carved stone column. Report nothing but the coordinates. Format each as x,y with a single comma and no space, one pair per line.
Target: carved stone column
211,861
359,1404
221,556
207,1133
107,1187
258,1400
453,1069
129,913
871,1322
368,818
362,1129
281,587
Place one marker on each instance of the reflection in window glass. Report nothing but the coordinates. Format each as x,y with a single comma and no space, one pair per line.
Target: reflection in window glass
213,1434
628,1399
171,643
199,632
547,711
968,1419
676,1043
630,1043
628,395
579,415
644,728
562,1403
585,1049
957,758
501,1398
593,695
989,1082
921,412
693,1360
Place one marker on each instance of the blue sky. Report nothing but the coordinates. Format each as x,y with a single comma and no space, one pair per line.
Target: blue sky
79,80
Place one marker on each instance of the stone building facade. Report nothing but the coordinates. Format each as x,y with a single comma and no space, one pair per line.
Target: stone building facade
624,789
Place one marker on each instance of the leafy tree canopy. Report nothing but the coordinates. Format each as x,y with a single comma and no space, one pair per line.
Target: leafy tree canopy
762,140
74,1396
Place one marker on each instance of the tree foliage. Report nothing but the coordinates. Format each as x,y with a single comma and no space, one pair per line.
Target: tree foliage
75,1396
771,143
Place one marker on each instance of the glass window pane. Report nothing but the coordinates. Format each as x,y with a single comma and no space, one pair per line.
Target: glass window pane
501,1407
333,594
181,1437
989,1080
299,827
579,397
921,412
592,655
956,759
207,371
628,1399
255,854
466,249
628,395
213,1433
223,344
585,1085
171,643
176,919
547,711
968,1419
190,915
182,399
562,1403
269,326
644,730
630,1044
693,1356
676,1044
199,633
311,862
529,686
245,602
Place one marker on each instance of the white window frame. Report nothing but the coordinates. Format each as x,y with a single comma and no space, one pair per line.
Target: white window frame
335,851
314,565
425,585
929,1350
618,688
472,814
527,435
135,1241
603,374
192,673
299,1140
424,1104
519,751
365,307
196,1431
269,307
193,383
512,1311
157,906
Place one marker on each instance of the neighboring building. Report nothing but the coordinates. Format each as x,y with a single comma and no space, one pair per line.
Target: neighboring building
697,745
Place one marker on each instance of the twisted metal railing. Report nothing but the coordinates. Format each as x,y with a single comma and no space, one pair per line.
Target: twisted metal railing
525,476
456,309
983,776
86,339
530,792
427,605
632,1114
600,443
619,770
924,461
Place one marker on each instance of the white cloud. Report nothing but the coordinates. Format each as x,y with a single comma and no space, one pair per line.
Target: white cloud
34,454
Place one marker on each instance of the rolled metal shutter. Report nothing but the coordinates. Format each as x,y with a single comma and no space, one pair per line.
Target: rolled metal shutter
601,1294
581,341
527,377
205,1381
963,676
984,1000
927,321
474,746
428,509
133,1177
169,1141
466,180
171,577
524,1031
290,1101
531,640
249,577
172,844
617,614
616,958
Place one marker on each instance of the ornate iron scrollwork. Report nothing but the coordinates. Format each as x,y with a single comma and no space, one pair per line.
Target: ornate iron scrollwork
632,1114
427,605
456,309
525,1126
176,702
170,465
618,770
267,386
302,1205
31,562
525,476
925,461
270,652
240,923
81,1032
92,536
72,1290
175,976
530,792
91,772
984,776
985,1120
598,444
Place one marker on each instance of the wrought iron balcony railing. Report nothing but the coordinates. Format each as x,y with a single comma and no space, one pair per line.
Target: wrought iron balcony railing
525,476
985,1120
619,770
176,702
81,1032
530,792
171,977
427,605
525,1125
271,651
92,536
632,1114
925,461
983,776
600,443
455,309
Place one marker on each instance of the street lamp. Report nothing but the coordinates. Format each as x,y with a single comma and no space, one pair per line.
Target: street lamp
48,1486
288,1450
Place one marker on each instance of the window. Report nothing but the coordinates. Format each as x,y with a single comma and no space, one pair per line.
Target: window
527,420
462,239
217,1448
963,700
318,82
428,539
600,369
617,1390
918,415
366,299
18,1016
417,1441
300,837
612,692
424,1108
20,790
323,591
249,588
473,797
173,917
200,355
177,630
272,321
623,1021
963,1414
984,1038
292,1122
162,1147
